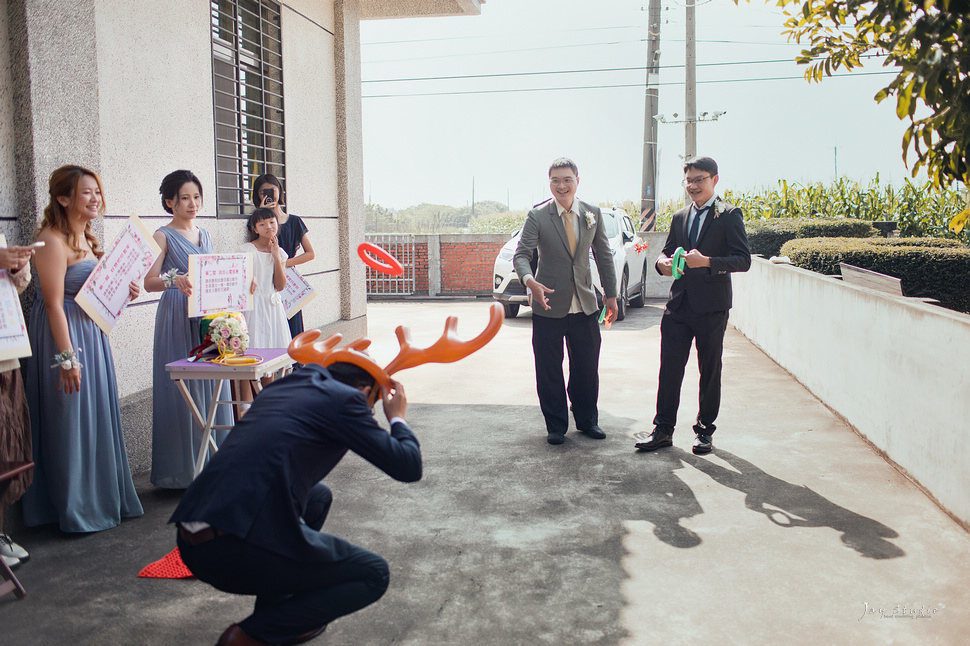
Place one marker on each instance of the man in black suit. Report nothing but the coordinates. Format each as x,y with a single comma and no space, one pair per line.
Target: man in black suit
562,231
712,232
250,523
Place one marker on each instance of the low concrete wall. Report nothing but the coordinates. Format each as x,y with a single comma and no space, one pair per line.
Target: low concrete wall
896,369
658,285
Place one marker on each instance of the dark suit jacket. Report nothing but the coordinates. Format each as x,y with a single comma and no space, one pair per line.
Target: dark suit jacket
558,269
256,486
722,238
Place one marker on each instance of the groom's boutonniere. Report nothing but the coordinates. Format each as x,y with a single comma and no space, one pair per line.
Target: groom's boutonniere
719,207
590,220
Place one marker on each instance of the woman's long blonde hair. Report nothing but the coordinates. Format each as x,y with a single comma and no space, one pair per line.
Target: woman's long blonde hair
64,182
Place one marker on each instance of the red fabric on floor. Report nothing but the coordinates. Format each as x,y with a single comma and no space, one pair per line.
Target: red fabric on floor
170,567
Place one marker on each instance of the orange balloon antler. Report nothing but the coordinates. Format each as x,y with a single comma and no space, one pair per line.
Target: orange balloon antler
447,348
306,349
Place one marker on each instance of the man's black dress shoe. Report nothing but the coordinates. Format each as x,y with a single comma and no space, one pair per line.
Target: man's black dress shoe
658,439
702,444
594,432
556,438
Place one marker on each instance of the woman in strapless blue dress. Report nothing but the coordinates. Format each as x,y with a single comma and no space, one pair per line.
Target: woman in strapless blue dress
175,435
81,476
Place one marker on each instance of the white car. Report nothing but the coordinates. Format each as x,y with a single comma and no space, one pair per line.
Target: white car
630,265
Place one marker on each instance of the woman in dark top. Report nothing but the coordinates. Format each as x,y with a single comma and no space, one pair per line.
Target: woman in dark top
268,192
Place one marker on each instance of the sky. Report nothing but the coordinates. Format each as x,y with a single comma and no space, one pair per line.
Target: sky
498,129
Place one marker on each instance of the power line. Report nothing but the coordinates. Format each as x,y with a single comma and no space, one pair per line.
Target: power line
532,33
615,86
451,55
493,36
639,68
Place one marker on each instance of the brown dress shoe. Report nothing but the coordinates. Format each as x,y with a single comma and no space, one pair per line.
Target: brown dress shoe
236,636
305,637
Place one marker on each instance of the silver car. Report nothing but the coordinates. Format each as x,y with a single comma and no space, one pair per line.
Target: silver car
630,264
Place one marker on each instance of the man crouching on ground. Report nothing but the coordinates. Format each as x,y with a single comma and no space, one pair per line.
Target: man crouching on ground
250,523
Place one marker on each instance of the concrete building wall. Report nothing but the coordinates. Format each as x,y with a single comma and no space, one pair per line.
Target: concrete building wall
379,9
309,86
155,98
895,368
9,225
350,164
54,72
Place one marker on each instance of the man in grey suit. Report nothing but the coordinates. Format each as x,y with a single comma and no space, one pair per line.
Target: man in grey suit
563,302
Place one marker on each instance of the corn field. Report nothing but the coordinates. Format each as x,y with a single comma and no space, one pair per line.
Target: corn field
919,209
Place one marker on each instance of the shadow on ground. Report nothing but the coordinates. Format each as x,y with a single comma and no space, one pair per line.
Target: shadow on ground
506,540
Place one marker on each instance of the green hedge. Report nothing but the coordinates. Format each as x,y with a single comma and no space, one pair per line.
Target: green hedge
928,267
766,237
944,243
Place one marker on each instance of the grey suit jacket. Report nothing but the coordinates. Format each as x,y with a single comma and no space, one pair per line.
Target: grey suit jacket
560,270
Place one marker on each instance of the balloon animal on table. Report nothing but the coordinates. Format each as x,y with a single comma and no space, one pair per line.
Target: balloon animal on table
305,348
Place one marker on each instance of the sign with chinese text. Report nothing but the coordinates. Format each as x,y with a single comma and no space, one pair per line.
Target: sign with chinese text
297,292
220,283
13,330
104,294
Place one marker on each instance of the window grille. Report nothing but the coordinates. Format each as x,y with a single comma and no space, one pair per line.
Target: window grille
247,88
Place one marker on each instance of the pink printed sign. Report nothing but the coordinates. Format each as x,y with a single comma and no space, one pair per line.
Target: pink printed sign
220,283
104,294
297,292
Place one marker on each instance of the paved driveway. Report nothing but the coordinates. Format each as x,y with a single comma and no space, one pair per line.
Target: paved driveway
793,531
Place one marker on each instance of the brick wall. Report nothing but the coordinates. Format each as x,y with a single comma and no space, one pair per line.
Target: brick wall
466,264
420,268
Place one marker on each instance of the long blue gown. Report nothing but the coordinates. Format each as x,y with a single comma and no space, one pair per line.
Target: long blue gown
81,475
175,435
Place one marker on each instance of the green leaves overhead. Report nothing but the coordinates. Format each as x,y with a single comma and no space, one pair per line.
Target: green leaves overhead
928,43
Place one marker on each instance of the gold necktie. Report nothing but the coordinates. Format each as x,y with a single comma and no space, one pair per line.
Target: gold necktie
567,220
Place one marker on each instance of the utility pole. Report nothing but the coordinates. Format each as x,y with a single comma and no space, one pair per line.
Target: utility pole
690,100
473,197
648,192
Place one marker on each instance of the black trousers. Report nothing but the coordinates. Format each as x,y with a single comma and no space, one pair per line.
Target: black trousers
293,596
581,335
677,330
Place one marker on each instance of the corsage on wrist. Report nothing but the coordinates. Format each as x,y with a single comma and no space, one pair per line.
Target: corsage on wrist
67,360
168,278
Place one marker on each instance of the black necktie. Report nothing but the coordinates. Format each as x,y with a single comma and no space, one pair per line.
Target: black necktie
695,227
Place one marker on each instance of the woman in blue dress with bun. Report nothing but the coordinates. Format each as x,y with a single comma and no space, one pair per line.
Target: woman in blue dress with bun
82,480
175,435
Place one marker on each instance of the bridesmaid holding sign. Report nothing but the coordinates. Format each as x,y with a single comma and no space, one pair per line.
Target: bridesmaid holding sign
81,476
175,435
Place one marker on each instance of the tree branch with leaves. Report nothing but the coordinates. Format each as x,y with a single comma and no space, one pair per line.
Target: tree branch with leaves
927,42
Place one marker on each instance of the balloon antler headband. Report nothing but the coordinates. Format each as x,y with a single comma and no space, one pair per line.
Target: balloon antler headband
306,349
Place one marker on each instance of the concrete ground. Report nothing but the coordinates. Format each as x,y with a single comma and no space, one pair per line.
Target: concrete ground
792,531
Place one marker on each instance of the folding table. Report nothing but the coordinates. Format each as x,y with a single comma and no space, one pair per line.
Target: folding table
273,360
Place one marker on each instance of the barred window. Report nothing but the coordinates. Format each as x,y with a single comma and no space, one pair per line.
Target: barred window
247,88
